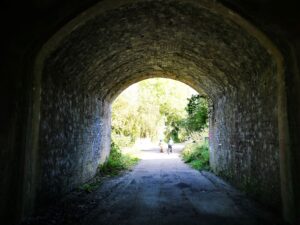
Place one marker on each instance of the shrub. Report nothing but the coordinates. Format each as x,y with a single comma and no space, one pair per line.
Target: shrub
117,161
197,155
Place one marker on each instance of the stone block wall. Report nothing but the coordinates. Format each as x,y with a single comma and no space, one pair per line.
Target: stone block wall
104,53
24,36
244,138
74,136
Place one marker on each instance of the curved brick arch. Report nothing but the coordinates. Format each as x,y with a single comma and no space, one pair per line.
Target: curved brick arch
83,67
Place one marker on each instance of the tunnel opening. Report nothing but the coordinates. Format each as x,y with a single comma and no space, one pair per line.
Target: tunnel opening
81,70
152,115
156,109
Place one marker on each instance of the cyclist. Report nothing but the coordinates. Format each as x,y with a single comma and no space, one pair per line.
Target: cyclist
161,146
170,143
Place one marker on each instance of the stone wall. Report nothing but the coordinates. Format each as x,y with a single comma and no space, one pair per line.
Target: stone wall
244,138
71,141
103,53
24,36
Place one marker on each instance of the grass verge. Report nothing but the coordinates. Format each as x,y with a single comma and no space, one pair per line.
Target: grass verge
116,163
196,155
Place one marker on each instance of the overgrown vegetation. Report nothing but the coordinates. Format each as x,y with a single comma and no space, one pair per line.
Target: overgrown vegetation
160,109
197,118
116,163
195,125
91,186
197,155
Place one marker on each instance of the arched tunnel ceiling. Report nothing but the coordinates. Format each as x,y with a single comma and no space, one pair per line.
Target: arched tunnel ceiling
174,39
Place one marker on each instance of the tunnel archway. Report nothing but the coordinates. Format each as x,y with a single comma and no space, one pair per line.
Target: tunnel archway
150,112
83,67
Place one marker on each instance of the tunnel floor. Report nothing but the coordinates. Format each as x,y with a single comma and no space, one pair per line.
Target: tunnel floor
161,189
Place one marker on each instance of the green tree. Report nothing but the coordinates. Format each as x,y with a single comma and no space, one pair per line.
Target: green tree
148,107
197,109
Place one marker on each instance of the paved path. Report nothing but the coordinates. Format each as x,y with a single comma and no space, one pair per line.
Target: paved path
163,190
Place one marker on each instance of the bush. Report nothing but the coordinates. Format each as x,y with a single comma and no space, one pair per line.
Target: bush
197,155
117,161
197,109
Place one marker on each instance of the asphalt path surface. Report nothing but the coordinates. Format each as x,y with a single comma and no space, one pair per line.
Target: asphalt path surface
163,190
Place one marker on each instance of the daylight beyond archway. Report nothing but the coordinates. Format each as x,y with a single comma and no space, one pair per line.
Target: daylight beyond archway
158,109
154,114
158,168
70,68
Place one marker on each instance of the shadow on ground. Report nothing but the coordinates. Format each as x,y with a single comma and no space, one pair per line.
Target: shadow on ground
160,190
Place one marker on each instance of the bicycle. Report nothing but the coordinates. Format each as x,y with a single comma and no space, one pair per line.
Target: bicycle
169,150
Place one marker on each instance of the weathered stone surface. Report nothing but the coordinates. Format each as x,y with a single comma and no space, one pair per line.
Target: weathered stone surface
244,139
27,25
69,139
179,40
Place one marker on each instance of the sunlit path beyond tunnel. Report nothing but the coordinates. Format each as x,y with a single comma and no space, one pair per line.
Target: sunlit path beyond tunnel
64,64
163,190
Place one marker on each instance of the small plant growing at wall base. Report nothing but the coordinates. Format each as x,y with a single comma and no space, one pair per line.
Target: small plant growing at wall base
91,186
197,155
117,162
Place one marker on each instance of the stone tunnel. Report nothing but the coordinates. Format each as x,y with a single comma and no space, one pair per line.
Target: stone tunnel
79,68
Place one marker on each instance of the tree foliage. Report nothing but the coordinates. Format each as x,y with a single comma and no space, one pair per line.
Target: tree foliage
152,108
197,110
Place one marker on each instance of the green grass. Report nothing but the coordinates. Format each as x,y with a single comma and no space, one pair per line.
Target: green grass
117,162
196,155
90,186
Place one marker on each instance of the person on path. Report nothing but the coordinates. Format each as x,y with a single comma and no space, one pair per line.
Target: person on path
161,146
170,144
